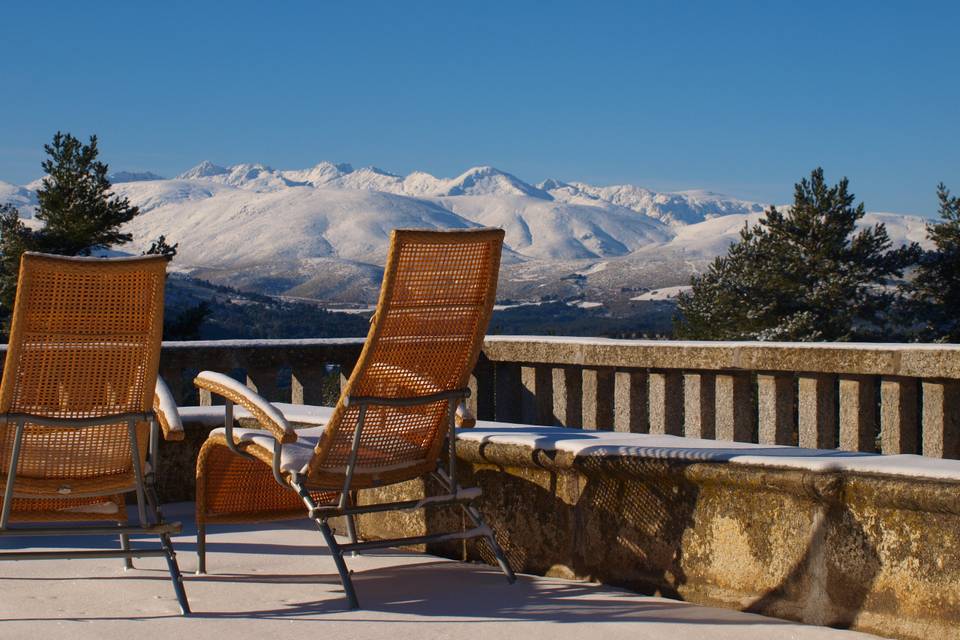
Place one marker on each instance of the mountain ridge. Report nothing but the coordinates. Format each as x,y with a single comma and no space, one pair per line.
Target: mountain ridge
323,231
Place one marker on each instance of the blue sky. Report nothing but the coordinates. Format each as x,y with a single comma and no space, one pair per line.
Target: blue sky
742,98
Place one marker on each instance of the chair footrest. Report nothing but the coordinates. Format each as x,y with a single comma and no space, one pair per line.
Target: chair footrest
461,496
476,532
81,554
166,527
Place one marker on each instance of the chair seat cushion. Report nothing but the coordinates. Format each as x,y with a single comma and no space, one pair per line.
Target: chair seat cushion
295,414
294,456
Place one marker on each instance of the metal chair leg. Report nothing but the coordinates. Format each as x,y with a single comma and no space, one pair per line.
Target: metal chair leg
153,501
501,557
352,533
337,554
125,546
352,523
474,515
175,574
201,549
351,529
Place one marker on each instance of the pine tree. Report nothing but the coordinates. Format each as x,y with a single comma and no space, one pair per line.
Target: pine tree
76,206
160,247
801,275
936,286
15,238
186,325
78,211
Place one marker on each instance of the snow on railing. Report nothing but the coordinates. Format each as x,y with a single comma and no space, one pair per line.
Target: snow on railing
893,398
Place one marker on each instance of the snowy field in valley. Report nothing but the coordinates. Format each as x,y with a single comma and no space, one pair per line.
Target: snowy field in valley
322,232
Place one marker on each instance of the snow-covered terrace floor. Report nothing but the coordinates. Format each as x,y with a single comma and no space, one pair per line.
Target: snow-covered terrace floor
277,580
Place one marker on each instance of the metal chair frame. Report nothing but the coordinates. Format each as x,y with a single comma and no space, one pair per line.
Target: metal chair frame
146,498
346,506
435,303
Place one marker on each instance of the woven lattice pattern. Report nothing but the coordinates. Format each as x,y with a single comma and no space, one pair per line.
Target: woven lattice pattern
438,292
231,488
84,343
68,509
435,304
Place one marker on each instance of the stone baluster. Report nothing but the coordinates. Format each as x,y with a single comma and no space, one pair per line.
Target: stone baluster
482,390
734,407
820,409
345,371
941,418
898,415
858,413
775,401
178,368
263,380
172,370
597,403
817,411
699,405
630,412
567,396
306,383
536,402
507,392
666,402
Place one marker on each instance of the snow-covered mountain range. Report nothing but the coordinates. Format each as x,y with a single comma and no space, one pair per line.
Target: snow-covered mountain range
322,232
23,198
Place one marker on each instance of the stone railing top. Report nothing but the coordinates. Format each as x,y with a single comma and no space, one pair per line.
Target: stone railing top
638,445
851,358
912,360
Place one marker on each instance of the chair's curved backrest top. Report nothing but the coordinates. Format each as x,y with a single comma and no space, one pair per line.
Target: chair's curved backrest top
435,303
85,336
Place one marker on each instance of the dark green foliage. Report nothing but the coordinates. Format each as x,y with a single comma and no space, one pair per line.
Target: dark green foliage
78,213
936,286
804,275
201,310
186,324
159,247
642,320
280,320
237,314
76,207
15,238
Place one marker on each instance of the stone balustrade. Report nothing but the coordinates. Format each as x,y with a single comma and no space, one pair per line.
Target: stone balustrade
295,371
843,539
840,539
891,398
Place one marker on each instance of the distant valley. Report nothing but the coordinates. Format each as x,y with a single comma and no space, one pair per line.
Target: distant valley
320,235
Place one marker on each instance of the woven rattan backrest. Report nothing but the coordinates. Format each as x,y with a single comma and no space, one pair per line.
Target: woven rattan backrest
84,343
435,303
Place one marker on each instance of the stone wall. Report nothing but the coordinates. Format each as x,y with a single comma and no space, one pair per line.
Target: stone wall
845,549
866,551
890,398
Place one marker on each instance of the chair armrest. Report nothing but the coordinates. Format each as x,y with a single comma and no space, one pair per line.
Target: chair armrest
269,417
165,408
465,418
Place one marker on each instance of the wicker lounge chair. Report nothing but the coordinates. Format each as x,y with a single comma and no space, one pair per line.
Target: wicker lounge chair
393,417
81,405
